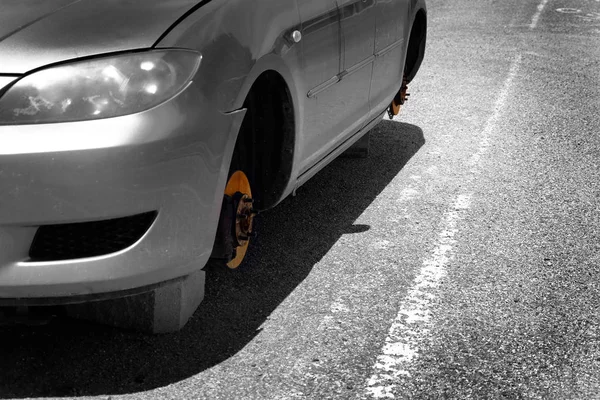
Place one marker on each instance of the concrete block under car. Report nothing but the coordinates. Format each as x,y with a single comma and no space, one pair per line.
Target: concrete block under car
360,149
163,310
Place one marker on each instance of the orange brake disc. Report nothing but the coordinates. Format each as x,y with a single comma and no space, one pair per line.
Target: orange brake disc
238,187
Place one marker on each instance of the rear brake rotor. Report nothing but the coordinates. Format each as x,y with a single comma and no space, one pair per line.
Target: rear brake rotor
400,99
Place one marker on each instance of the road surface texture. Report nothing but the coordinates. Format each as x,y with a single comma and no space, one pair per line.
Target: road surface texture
460,259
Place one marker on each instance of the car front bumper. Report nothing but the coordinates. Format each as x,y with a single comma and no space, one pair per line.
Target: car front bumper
171,160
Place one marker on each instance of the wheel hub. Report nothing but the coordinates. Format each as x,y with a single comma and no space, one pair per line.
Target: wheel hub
242,215
244,219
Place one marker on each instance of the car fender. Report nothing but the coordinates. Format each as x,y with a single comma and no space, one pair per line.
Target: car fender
236,38
416,7
240,40
292,76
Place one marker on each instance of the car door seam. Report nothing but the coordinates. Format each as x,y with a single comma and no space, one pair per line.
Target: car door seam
357,66
389,48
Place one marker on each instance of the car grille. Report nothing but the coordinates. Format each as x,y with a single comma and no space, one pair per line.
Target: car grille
88,239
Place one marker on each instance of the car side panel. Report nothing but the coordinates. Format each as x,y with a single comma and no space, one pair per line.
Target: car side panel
391,38
357,19
321,50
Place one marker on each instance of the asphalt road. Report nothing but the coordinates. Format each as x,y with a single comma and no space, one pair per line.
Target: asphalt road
460,260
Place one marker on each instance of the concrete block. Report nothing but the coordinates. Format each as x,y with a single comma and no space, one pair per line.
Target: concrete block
360,149
165,309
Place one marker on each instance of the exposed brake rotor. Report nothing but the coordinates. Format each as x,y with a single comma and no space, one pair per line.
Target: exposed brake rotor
238,188
399,100
244,218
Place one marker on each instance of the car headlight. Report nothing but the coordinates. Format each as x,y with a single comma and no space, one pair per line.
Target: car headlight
99,88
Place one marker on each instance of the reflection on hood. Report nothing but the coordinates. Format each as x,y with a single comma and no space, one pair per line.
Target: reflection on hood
34,33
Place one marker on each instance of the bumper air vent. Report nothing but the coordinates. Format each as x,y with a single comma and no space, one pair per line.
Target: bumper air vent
88,239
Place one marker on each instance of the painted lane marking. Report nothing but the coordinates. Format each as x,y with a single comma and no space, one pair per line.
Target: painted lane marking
413,322
338,306
536,16
587,16
568,10
491,123
590,17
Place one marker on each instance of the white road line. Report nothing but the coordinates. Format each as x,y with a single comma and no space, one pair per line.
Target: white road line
414,318
413,323
407,194
497,113
536,16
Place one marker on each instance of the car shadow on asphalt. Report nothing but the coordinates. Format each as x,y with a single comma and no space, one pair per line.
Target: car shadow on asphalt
74,358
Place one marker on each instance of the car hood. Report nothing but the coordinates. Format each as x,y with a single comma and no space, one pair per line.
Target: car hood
34,33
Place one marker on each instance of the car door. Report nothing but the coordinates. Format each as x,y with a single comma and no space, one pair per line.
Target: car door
390,41
321,51
358,34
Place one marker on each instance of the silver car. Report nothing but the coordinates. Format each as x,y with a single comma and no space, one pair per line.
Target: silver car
140,138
